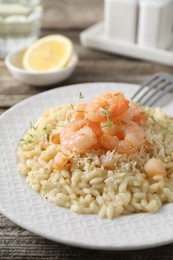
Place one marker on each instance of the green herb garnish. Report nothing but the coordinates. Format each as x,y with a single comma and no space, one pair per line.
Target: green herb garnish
72,106
139,104
108,124
164,127
68,119
74,110
47,132
81,96
29,140
32,126
106,113
30,136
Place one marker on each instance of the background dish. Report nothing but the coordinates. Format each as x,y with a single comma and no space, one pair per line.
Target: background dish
13,62
94,37
26,207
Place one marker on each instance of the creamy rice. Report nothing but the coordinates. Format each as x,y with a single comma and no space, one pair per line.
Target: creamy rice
86,186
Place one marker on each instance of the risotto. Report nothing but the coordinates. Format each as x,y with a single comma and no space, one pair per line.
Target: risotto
100,159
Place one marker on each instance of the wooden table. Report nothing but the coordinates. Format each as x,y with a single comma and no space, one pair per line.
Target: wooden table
70,17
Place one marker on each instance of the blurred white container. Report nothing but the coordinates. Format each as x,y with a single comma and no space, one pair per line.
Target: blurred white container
155,25
121,19
135,28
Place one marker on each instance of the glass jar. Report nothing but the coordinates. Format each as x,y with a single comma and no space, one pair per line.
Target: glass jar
19,24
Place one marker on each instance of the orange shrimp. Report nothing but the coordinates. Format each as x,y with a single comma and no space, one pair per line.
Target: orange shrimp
113,130
80,135
55,138
140,118
131,143
60,160
155,167
107,105
80,110
133,113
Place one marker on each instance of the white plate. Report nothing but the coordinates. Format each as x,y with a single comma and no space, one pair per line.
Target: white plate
94,37
29,210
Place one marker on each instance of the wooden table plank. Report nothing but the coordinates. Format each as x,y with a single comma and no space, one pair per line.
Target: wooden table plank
17,243
71,13
2,110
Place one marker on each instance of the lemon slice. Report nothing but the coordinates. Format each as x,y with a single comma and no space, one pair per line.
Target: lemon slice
48,53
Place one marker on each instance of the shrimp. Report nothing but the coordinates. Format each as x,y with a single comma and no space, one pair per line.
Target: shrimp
60,160
80,110
113,130
155,167
55,138
80,135
107,105
139,116
133,113
131,141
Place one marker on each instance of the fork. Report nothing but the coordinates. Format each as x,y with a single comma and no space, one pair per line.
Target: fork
153,89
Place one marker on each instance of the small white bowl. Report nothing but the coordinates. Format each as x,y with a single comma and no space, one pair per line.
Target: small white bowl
13,62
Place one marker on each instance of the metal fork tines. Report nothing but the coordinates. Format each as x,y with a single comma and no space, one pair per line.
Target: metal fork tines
153,89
